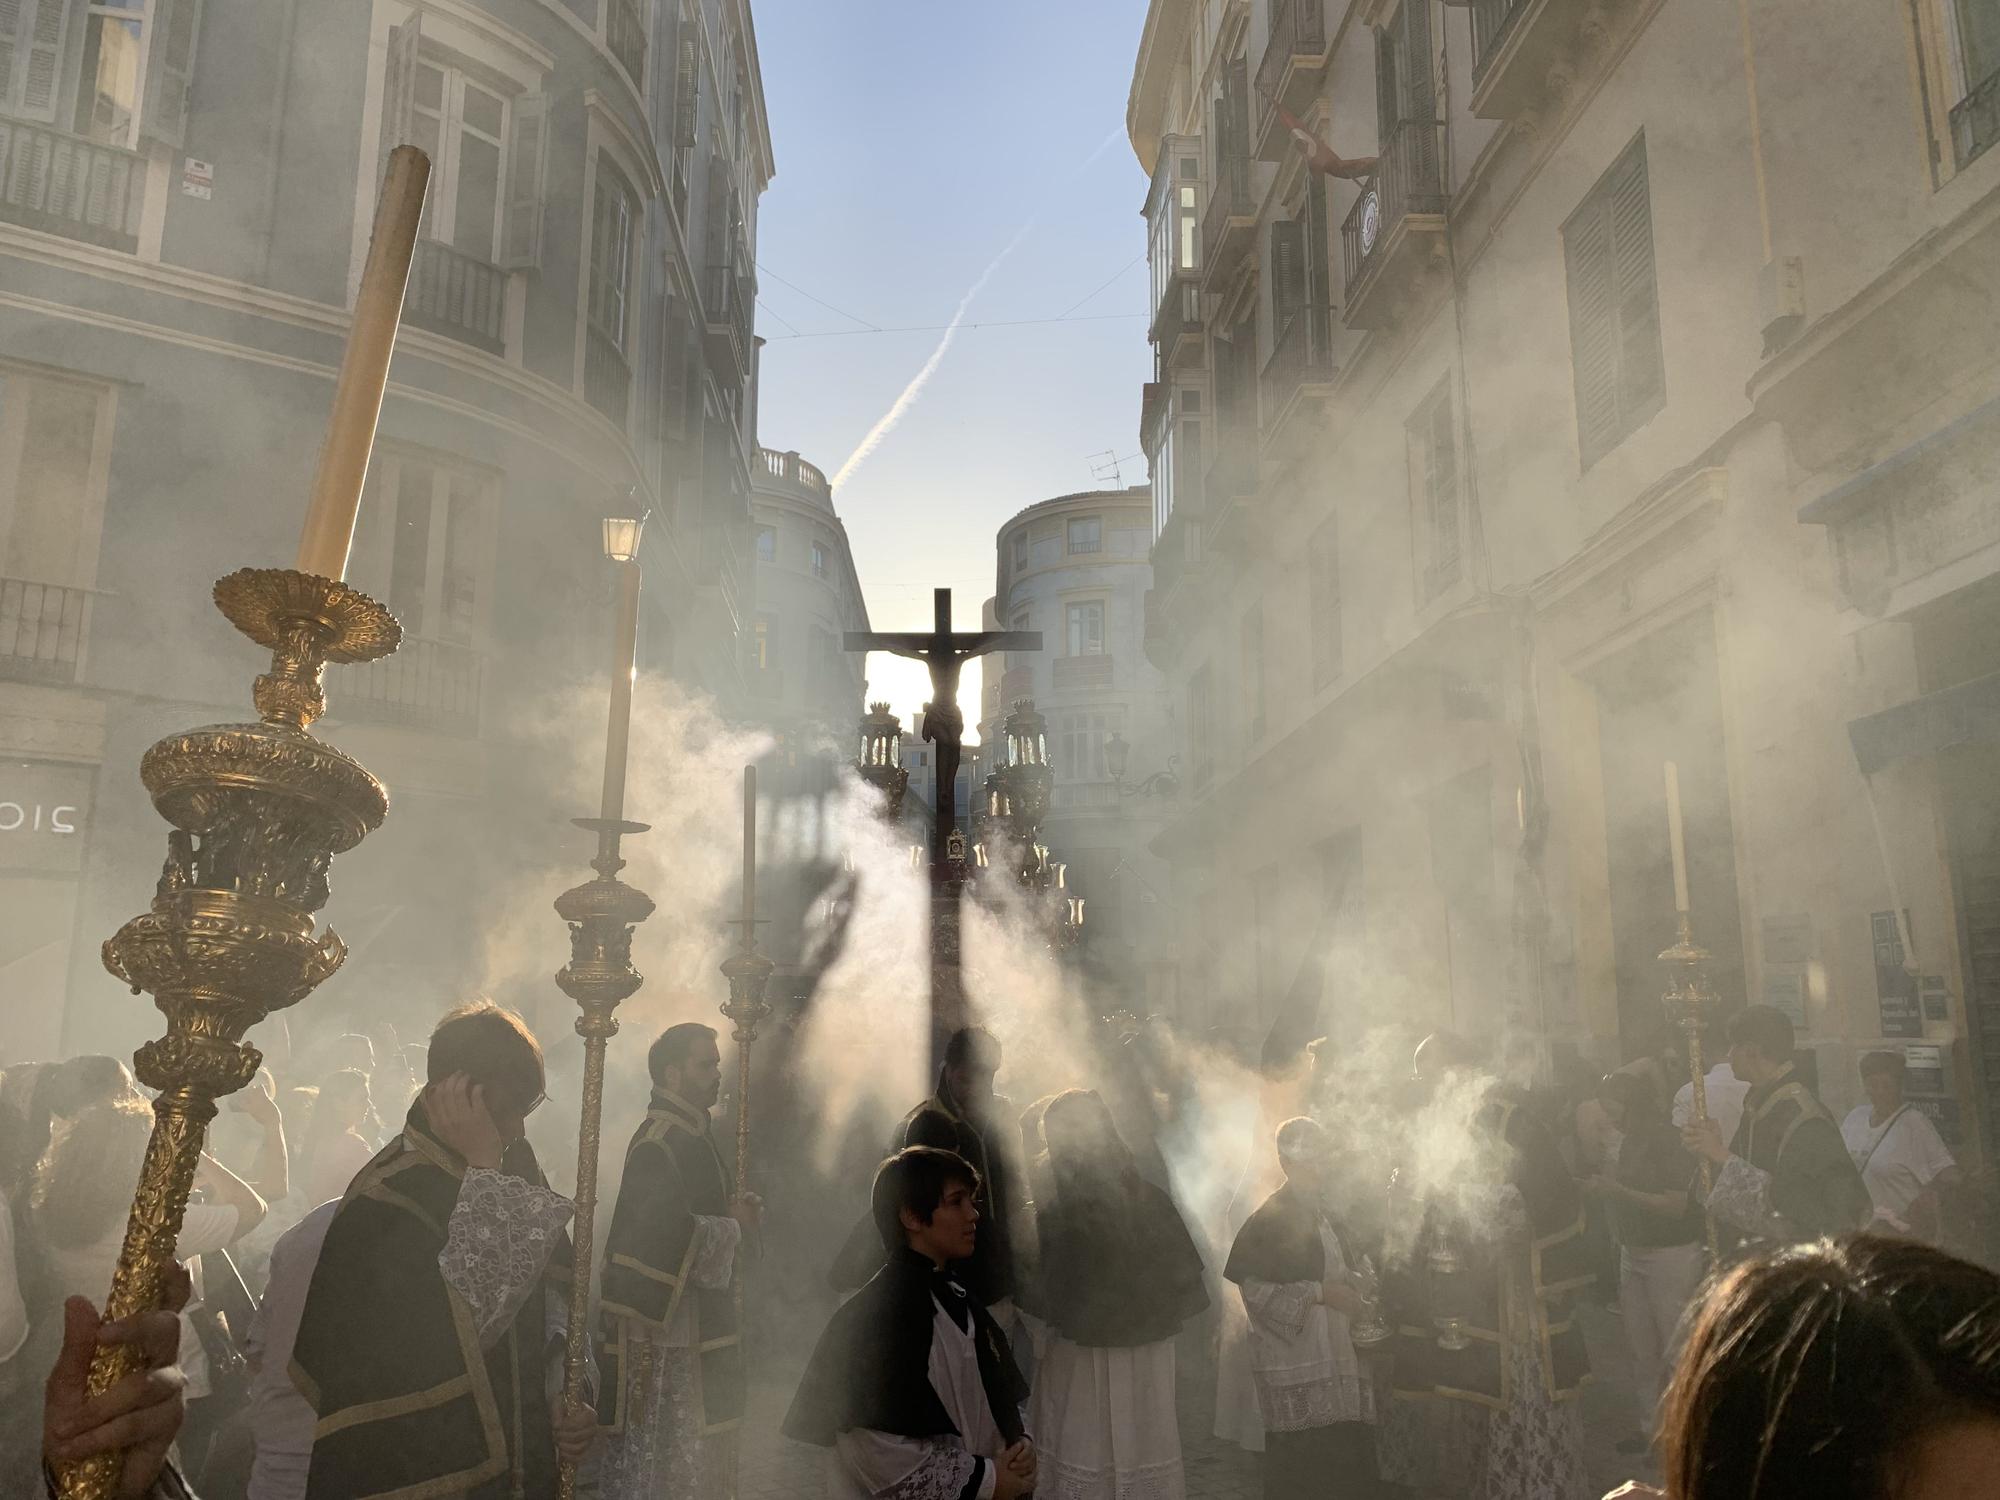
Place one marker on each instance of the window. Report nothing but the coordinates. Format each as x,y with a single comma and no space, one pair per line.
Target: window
462,126
1173,212
1045,545
1435,493
1961,44
1079,745
767,544
1086,628
1086,534
107,95
760,644
426,531
31,53
51,486
1614,310
1201,726
1021,551
1253,671
612,219
1323,589
625,36
819,560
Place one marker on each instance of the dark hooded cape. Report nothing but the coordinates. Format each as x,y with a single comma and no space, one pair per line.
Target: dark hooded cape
1815,1185
871,1367
1279,1243
388,1355
673,1174
1118,1270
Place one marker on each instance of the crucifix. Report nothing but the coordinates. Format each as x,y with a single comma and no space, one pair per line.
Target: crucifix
944,725
944,653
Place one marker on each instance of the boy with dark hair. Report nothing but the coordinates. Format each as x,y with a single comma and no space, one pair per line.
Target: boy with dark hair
672,1361
1787,1175
912,1386
430,1344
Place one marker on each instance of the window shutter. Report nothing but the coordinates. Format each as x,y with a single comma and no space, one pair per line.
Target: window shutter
1288,272
169,69
527,182
1640,376
1387,82
687,79
1319,276
1614,307
1419,90
1237,82
399,89
1443,484
1592,332
31,45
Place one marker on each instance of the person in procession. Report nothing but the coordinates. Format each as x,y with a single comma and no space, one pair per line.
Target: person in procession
1291,1263
431,1341
1902,1159
1786,1176
671,1360
913,1387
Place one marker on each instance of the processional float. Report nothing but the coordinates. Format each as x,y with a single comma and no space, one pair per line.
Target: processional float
257,812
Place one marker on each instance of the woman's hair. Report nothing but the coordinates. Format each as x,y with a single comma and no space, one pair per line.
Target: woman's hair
1812,1373
1635,1094
915,1178
340,1102
84,1183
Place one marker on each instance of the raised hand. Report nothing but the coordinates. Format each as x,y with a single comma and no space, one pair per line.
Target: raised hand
456,1109
140,1415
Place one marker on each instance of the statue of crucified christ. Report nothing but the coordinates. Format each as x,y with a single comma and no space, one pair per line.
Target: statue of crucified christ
944,724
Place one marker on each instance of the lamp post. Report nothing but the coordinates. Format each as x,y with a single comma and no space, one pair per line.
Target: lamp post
257,812
881,760
1027,778
601,914
1118,759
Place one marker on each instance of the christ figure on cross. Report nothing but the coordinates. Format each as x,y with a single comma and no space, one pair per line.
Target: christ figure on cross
944,724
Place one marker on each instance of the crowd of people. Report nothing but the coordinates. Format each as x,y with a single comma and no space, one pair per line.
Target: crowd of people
379,1309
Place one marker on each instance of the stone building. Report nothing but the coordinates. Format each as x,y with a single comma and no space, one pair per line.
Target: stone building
1637,404
185,200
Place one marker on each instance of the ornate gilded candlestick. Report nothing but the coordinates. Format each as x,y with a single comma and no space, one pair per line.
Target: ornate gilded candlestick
601,914
1689,1000
258,811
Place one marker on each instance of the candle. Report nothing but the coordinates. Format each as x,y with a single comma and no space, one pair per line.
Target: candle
749,856
624,648
364,368
1675,838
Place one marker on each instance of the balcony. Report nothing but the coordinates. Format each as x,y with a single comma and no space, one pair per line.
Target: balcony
1289,74
66,185
607,379
792,472
43,627
1082,674
728,298
1231,490
425,684
1516,44
1229,225
458,296
1975,121
1299,369
1395,232
1155,403
1177,324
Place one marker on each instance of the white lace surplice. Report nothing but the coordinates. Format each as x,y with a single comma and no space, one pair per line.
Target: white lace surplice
868,1465
665,1448
1302,1354
1105,1424
502,1231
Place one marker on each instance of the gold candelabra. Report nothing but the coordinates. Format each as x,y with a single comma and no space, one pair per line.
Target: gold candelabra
601,914
258,812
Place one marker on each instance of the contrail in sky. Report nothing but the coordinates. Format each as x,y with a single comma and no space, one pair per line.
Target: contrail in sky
888,420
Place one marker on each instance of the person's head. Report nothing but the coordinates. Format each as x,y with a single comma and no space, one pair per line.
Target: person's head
1861,1369
686,1061
1630,1100
1882,1080
1081,1135
343,1102
1305,1153
1440,1053
971,1058
84,1182
1760,1043
68,1088
495,1049
351,1050
924,1200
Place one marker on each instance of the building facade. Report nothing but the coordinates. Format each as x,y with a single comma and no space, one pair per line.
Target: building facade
800,678
185,200
1633,405
1077,569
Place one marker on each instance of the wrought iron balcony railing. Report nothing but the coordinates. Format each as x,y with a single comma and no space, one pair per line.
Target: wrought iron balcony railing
1229,224
43,628
1301,354
1491,21
1298,33
1407,181
61,183
607,378
457,295
426,684
625,36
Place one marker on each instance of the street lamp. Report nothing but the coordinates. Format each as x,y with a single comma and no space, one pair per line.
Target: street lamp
881,760
1026,777
621,536
1118,759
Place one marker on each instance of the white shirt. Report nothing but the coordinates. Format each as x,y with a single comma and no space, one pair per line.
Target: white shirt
1302,1352
281,1420
1898,1159
1726,1093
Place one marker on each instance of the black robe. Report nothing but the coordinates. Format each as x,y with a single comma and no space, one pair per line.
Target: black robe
1815,1185
388,1356
1119,1270
871,1367
1559,1267
1279,1243
673,1173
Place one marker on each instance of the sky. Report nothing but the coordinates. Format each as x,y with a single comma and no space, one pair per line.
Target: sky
917,144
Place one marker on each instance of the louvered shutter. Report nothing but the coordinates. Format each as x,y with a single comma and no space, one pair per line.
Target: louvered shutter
399,89
1288,272
687,78
1443,462
1641,379
1593,334
176,25
1388,84
1319,274
1419,90
12,46
31,46
527,182
1614,307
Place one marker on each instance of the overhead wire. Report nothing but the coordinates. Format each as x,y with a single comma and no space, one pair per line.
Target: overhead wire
841,333
811,298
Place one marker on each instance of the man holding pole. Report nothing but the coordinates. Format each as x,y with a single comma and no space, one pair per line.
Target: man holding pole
672,1358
